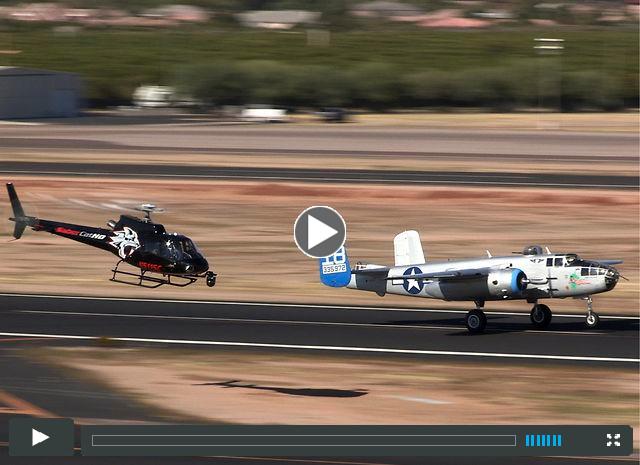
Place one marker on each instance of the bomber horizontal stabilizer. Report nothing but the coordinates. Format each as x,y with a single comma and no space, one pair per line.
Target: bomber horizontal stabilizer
376,270
609,262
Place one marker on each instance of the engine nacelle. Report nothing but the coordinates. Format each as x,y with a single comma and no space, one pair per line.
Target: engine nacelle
507,283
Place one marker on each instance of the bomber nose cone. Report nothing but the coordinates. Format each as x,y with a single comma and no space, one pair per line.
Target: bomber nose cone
611,278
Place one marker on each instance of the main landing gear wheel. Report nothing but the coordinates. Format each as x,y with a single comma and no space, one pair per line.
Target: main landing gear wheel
592,320
476,321
540,316
211,278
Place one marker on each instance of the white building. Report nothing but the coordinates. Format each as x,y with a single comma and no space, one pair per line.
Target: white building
278,19
38,93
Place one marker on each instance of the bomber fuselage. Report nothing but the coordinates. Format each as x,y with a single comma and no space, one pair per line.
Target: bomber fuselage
547,276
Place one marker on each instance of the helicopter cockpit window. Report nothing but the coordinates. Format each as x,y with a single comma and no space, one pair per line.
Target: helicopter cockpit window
176,248
187,247
170,250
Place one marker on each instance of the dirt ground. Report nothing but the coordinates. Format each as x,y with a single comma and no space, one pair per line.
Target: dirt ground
252,388
245,229
462,119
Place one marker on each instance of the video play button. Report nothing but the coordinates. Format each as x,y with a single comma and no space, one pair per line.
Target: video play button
37,437
319,231
41,437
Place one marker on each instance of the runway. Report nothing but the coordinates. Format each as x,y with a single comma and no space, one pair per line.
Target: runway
368,331
44,390
388,140
478,179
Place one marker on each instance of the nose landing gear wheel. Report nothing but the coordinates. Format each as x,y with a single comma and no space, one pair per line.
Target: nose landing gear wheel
476,321
540,316
592,320
211,278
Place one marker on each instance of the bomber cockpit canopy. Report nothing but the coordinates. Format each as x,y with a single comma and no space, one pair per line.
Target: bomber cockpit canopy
532,250
572,259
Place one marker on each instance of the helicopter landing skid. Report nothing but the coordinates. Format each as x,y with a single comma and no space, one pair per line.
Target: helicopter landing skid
150,282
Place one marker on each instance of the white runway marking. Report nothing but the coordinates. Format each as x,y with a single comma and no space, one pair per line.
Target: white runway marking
380,350
21,123
287,305
297,322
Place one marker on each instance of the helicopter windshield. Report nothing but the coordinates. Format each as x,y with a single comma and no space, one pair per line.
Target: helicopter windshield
188,247
177,248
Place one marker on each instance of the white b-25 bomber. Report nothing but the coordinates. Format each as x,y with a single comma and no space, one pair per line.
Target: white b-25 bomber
532,275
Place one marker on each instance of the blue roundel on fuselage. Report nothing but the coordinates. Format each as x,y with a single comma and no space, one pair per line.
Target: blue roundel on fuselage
413,286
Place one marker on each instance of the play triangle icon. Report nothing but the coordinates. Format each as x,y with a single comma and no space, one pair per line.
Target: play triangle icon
318,232
37,437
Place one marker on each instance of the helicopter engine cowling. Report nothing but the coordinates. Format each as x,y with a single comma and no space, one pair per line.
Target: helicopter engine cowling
507,283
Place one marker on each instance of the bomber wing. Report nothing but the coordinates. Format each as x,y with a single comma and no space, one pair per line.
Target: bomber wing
449,275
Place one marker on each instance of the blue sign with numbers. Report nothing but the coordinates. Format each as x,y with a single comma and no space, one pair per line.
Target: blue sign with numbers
335,270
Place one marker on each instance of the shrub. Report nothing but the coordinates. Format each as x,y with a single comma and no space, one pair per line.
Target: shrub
592,90
429,88
222,83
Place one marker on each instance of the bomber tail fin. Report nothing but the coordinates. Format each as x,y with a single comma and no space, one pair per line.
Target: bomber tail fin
22,220
408,249
335,270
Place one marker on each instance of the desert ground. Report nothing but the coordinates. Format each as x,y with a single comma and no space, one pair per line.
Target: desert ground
245,229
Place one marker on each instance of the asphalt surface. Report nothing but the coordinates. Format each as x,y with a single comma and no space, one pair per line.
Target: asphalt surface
359,330
480,179
318,139
231,150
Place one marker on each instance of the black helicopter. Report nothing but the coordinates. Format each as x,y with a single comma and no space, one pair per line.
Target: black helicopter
137,241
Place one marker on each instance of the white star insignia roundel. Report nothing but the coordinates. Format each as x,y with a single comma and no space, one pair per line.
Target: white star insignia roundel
413,283
413,286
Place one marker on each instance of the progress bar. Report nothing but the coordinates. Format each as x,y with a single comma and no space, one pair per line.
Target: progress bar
306,440
303,440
